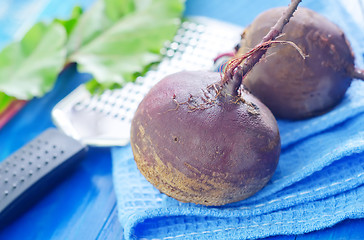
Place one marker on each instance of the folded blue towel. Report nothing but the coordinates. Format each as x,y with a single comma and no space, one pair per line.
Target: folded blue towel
318,182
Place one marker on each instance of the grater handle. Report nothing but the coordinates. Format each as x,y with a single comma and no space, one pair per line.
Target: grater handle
34,169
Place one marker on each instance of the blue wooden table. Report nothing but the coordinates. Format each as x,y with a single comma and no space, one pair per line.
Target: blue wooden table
83,206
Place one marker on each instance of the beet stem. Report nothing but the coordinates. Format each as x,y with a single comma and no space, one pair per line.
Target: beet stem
357,73
234,74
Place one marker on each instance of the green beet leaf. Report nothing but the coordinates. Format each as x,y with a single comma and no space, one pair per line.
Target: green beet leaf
116,39
5,101
29,68
70,23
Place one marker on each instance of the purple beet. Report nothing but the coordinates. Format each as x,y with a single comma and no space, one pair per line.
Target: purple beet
294,87
198,137
207,153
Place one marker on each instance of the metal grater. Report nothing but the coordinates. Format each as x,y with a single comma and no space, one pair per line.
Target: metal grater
104,120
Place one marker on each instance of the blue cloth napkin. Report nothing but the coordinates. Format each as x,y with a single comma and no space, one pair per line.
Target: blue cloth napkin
318,182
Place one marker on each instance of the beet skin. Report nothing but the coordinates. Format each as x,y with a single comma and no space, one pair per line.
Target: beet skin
293,87
196,148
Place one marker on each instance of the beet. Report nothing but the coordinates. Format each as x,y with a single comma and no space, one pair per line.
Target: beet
291,86
199,137
209,154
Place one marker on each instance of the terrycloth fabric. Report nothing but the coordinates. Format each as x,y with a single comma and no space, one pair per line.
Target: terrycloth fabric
318,182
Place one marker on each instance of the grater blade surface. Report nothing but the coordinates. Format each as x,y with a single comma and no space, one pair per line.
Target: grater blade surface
104,120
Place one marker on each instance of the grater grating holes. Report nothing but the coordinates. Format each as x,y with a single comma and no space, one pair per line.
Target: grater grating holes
194,47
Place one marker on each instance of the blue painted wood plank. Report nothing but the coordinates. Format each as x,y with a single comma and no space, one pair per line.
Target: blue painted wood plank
76,209
112,228
351,229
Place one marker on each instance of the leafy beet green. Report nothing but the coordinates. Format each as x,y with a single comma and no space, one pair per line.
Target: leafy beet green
112,40
113,50
28,68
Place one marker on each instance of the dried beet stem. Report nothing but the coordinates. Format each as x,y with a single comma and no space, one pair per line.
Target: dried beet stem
239,68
